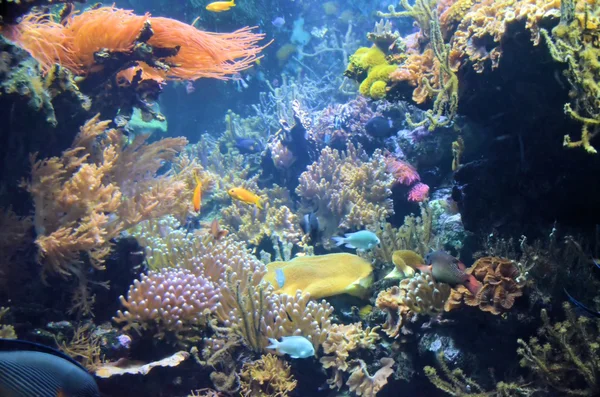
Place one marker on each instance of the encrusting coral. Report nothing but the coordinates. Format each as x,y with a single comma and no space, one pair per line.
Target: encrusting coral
322,276
347,191
266,377
566,355
500,286
416,295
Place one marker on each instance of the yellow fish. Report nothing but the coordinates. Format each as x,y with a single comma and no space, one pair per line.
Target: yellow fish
239,193
220,6
197,198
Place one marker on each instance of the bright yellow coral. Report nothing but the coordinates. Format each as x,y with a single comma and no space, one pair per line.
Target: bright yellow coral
267,377
322,276
370,67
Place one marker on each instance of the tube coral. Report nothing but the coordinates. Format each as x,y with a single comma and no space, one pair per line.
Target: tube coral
192,54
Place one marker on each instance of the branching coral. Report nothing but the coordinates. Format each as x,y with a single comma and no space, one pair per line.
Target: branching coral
267,377
420,12
414,296
86,197
176,50
500,287
566,356
346,190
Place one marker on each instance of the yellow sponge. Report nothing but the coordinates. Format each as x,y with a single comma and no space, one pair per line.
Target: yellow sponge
322,275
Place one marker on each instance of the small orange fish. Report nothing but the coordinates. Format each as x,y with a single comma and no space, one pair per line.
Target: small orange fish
220,6
245,196
197,198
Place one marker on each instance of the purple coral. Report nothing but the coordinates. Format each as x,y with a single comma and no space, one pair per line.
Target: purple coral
172,299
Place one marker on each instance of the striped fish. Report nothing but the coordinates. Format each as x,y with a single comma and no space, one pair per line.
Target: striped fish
36,370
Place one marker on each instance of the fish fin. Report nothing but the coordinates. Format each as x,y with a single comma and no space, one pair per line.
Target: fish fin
338,240
461,266
350,246
294,356
596,262
472,284
273,343
259,204
581,305
197,178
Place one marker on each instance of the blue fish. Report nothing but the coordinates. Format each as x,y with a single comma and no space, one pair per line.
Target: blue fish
280,278
248,145
589,312
278,22
363,240
294,346
30,369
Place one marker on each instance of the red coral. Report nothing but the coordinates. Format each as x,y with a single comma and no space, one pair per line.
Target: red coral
403,172
418,192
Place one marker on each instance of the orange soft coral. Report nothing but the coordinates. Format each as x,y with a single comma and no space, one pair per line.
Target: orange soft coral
76,43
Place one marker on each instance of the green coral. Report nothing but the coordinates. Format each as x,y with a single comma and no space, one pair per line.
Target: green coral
566,356
370,67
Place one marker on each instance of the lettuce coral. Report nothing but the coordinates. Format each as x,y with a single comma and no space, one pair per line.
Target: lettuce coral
323,275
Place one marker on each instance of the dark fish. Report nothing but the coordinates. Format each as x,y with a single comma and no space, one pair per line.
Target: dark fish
380,127
30,369
584,308
310,225
447,269
248,145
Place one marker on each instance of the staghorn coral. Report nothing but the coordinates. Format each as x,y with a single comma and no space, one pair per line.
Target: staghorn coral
500,286
266,377
416,295
346,190
566,355
180,50
363,384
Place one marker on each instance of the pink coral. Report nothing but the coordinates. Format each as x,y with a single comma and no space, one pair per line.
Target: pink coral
418,192
403,172
174,299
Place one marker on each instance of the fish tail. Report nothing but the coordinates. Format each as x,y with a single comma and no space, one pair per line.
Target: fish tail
196,177
259,203
338,240
273,343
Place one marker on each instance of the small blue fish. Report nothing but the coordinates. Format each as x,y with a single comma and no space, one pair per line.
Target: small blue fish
294,346
280,277
278,22
248,145
363,240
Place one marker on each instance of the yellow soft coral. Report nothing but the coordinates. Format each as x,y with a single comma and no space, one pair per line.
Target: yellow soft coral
322,276
370,67
267,377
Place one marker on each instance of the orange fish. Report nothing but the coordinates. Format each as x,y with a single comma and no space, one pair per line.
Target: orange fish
197,198
220,6
245,196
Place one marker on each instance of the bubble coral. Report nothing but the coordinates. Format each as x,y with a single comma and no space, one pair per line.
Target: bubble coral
499,290
267,377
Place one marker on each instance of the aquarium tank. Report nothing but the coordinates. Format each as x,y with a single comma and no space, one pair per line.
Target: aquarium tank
299,198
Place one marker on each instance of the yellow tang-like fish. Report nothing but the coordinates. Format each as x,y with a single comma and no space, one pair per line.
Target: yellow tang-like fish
220,6
239,193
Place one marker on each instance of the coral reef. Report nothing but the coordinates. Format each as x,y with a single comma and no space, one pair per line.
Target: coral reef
416,295
363,384
346,190
6,331
370,67
564,357
501,287
267,377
